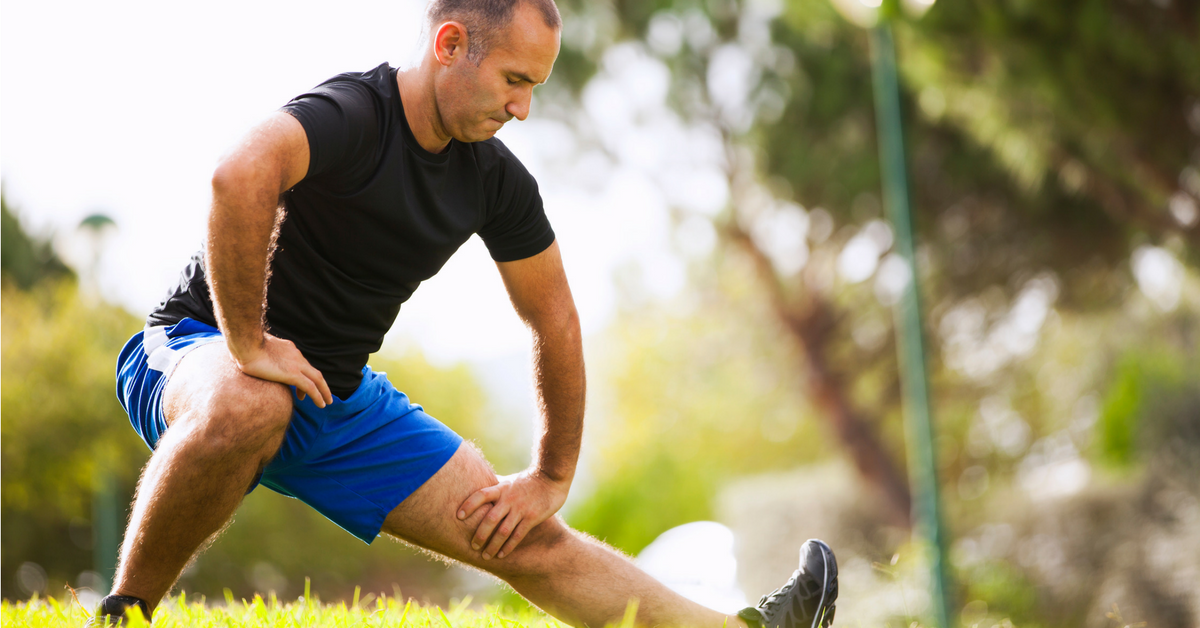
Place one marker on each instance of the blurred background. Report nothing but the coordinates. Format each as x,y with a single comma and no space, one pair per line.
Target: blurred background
711,168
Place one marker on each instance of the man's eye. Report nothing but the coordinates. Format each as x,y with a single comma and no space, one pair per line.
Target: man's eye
512,81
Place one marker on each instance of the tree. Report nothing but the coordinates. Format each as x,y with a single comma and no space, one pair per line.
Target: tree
63,427
1038,169
26,261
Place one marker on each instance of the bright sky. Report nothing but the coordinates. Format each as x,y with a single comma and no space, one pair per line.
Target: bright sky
125,108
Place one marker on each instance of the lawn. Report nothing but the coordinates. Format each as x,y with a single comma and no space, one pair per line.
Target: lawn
370,611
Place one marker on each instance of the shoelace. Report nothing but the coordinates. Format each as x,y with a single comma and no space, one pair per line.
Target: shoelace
775,598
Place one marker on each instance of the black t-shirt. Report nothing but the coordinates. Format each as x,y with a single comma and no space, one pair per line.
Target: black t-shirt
374,217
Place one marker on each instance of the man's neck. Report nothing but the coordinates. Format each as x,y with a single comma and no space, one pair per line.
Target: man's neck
420,109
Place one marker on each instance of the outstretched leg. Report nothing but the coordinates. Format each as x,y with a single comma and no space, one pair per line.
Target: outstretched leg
225,426
575,578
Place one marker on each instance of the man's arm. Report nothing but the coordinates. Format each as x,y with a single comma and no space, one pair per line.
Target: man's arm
246,188
539,292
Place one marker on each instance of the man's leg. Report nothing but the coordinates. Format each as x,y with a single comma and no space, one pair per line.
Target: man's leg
225,426
575,578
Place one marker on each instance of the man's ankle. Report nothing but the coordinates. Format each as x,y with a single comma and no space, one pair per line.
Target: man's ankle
113,607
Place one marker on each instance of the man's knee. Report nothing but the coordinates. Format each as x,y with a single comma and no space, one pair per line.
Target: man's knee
248,417
225,409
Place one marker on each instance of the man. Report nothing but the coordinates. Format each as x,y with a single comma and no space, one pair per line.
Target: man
324,220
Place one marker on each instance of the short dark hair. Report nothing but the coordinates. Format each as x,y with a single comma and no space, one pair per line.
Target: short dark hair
486,20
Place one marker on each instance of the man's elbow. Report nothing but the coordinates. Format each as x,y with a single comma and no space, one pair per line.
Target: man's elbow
240,178
562,324
229,177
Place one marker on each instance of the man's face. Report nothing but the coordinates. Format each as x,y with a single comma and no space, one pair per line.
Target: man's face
475,101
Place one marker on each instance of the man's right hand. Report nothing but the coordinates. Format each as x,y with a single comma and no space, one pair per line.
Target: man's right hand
278,360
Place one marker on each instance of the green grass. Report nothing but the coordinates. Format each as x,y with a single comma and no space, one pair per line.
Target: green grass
371,612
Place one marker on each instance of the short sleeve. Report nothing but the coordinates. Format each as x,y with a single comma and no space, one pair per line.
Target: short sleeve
343,122
516,226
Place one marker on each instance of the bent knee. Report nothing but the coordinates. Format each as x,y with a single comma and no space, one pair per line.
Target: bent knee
232,424
256,411
224,407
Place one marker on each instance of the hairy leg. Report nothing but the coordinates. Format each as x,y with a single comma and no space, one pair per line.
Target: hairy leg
225,426
572,576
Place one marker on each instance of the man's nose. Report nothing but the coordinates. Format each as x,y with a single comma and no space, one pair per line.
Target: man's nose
519,108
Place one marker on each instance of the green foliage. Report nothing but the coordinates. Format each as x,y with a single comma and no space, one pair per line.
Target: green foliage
823,143
1005,590
1118,426
1099,87
1045,141
699,397
980,204
62,427
1137,410
646,497
25,260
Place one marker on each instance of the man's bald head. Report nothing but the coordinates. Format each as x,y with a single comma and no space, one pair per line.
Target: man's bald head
486,20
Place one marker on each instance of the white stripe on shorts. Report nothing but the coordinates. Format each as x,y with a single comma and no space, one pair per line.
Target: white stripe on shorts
162,358
153,338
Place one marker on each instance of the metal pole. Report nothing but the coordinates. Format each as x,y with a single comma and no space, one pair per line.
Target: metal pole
922,463
106,526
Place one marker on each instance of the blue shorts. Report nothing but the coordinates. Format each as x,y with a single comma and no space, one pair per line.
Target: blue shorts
353,461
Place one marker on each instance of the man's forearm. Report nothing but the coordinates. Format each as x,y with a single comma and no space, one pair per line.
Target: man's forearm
240,227
561,390
246,187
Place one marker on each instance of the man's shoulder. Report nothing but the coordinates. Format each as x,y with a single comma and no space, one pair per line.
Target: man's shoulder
494,157
379,76
374,84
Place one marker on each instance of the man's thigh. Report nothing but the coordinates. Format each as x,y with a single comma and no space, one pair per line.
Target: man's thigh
207,386
428,518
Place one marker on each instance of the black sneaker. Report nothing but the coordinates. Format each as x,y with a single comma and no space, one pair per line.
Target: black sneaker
806,600
111,611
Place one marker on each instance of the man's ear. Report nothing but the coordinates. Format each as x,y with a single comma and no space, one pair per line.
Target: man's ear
450,42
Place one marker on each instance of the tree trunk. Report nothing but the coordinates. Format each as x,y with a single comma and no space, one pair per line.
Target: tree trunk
810,323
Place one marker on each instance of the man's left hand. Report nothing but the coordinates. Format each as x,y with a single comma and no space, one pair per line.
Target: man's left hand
518,504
